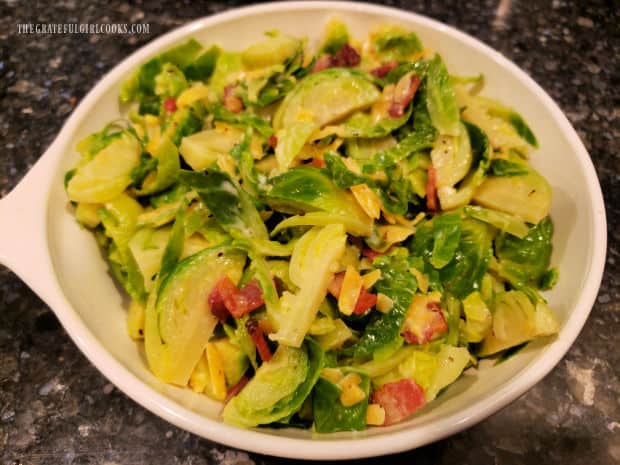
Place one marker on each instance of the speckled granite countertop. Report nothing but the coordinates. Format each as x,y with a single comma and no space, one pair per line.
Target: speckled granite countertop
55,407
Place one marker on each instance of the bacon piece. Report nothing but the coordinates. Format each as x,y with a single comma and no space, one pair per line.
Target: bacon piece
384,69
249,298
365,301
221,298
273,141
403,94
372,254
317,162
226,299
399,399
347,57
424,321
236,389
431,189
258,337
231,101
170,105
324,62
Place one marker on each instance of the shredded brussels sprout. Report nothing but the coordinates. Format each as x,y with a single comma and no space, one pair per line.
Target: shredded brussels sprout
319,238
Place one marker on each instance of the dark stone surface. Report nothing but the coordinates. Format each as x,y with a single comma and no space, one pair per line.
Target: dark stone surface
55,407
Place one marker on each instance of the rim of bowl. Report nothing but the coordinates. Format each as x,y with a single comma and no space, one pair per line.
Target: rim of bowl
259,442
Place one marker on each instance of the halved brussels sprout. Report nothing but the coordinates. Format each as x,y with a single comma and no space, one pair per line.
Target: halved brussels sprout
515,321
326,96
311,269
108,173
179,322
526,196
274,50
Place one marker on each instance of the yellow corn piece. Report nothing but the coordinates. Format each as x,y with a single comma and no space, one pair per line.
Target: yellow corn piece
351,379
350,291
369,279
196,92
352,395
384,303
200,376
421,278
135,320
375,415
332,374
216,372
367,199
394,233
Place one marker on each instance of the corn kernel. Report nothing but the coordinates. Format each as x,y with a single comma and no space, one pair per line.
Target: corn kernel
375,415
367,199
216,372
351,379
384,303
350,291
352,395
332,374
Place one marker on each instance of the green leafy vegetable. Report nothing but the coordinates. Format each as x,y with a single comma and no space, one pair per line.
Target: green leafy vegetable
329,413
399,285
279,387
440,98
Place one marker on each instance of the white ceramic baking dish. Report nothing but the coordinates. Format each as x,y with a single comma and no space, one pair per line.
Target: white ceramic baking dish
41,242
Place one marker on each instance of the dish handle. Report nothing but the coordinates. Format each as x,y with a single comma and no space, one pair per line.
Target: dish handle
23,228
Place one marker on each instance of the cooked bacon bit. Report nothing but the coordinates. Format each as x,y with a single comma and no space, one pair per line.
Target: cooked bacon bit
170,105
222,291
403,94
365,301
317,162
216,304
431,189
236,389
273,141
248,298
258,337
324,62
347,57
231,101
430,324
226,298
370,253
384,69
399,399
